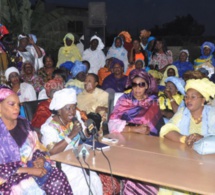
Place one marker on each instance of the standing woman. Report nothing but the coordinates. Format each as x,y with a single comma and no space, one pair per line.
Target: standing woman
24,164
24,90
161,55
69,52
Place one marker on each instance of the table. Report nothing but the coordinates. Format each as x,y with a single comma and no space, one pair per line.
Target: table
153,160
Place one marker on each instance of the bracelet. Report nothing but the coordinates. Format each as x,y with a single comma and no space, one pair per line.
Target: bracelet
172,100
67,139
183,139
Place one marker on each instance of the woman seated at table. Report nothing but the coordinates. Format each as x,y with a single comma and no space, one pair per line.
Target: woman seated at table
172,97
138,111
24,164
61,132
196,120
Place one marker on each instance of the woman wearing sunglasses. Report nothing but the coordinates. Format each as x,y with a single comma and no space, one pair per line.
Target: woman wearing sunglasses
138,111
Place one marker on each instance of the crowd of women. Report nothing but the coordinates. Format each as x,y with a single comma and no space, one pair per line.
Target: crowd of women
160,97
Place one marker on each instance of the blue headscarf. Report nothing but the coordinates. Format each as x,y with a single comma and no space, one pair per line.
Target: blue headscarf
207,44
77,68
178,82
67,65
117,61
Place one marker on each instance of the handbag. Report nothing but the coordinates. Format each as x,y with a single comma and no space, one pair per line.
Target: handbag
205,145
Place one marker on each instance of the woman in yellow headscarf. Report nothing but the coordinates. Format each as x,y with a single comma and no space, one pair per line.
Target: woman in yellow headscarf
171,70
69,52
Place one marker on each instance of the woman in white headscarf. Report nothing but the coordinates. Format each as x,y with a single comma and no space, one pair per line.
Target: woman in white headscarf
27,50
95,55
60,132
69,52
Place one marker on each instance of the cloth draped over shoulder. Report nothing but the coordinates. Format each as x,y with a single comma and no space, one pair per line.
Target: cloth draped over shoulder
68,53
130,110
18,148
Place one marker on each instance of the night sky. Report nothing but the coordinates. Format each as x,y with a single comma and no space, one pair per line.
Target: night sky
134,15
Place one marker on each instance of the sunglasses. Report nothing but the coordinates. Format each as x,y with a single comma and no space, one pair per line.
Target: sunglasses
141,85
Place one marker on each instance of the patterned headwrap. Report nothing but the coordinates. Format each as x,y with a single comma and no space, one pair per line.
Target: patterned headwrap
152,85
69,36
77,68
203,86
209,45
53,84
127,36
5,92
116,61
178,82
63,97
145,33
9,71
100,45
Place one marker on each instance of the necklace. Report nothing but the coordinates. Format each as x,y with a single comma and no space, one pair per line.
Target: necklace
197,120
61,121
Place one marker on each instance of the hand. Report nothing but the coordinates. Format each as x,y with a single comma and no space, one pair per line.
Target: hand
193,138
39,162
38,172
168,93
75,130
143,129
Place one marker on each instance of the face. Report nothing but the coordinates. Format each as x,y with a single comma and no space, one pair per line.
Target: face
68,42
9,108
206,51
94,44
139,65
194,100
90,83
136,44
144,40
48,62
158,45
117,69
57,76
170,72
28,68
172,88
139,90
23,42
118,43
14,78
67,112
183,57
81,76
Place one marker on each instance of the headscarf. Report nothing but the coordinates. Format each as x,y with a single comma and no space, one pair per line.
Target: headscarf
178,82
187,52
152,85
77,68
9,71
165,74
100,44
53,84
68,65
34,37
69,36
63,97
23,66
5,92
156,74
127,36
116,61
145,33
140,60
203,86
21,36
209,45
114,44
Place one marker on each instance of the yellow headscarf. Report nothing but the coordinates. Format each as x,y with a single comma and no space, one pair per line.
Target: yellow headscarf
203,86
165,74
69,36
156,74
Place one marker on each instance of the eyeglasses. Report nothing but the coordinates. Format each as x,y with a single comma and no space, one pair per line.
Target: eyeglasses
141,85
192,97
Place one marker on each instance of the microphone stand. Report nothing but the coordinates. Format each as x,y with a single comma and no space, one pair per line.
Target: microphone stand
94,149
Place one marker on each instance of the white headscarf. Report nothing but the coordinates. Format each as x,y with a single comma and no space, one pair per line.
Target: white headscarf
187,52
9,71
101,44
63,97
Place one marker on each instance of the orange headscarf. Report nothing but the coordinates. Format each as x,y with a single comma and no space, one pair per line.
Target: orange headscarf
127,36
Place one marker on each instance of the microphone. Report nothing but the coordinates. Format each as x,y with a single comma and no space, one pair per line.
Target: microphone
75,151
91,126
81,133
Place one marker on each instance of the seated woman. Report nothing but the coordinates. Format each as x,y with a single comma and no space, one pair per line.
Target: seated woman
24,164
24,90
61,132
196,120
137,111
171,97
183,64
43,113
93,99
29,76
